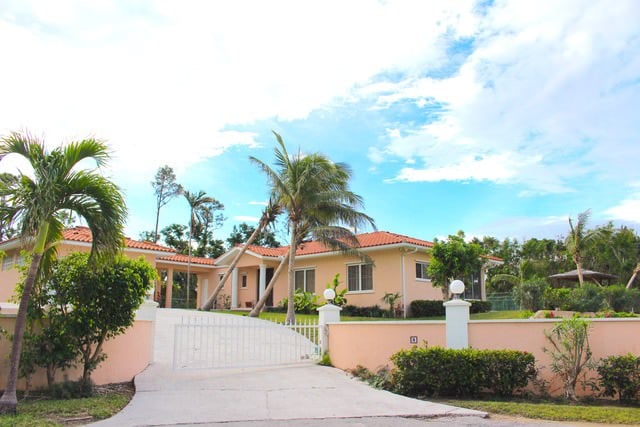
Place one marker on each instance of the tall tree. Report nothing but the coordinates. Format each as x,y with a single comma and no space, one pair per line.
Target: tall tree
453,259
196,202
242,232
166,188
210,218
314,192
578,240
34,204
269,215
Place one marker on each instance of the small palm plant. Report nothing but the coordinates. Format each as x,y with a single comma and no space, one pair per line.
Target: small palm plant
391,298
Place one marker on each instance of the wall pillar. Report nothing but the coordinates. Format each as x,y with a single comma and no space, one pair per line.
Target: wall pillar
263,280
328,313
457,317
234,288
169,289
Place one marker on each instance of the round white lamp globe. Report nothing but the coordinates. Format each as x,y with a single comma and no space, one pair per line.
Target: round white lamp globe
329,294
456,287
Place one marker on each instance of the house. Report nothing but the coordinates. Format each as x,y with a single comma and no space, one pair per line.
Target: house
398,264
78,239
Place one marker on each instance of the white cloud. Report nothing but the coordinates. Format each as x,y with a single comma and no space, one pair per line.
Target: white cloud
550,88
254,203
627,210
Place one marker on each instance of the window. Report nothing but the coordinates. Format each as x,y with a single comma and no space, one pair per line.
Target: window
422,270
360,277
220,276
19,259
243,284
306,279
7,262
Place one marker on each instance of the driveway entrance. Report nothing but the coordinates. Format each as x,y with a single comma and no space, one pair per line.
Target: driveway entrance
304,392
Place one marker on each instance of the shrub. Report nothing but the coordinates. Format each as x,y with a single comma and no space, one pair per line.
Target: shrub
620,375
426,308
340,300
557,298
478,306
587,298
371,311
303,302
530,295
619,298
437,371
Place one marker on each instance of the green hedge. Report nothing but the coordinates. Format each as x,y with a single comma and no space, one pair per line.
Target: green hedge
591,297
437,371
434,308
371,311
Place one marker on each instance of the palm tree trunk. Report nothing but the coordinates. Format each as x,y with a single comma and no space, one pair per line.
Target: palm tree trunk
155,233
209,304
579,268
260,304
291,311
9,401
633,276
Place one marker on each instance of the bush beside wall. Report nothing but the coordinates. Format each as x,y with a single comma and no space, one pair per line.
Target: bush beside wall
437,371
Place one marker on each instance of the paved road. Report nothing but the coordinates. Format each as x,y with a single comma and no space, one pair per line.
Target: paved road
294,395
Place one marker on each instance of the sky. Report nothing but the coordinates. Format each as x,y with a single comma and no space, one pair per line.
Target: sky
498,118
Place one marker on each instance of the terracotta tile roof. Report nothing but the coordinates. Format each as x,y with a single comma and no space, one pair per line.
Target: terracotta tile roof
83,234
366,240
185,259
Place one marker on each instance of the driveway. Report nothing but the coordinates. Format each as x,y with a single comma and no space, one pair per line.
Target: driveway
303,394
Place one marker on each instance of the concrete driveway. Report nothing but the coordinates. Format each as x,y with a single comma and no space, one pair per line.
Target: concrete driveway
278,395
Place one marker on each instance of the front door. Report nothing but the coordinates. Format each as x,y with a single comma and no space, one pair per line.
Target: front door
269,302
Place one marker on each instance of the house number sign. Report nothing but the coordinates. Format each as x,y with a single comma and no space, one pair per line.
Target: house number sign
413,339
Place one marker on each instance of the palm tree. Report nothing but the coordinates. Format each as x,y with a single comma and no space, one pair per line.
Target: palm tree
36,204
578,240
196,202
269,215
315,194
636,271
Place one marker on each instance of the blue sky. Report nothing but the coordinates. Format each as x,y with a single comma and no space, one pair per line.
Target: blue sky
498,118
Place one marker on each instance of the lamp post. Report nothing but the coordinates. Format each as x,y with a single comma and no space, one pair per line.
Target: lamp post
457,317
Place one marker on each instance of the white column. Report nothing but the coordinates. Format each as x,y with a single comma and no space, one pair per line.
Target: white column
234,288
328,313
457,317
263,280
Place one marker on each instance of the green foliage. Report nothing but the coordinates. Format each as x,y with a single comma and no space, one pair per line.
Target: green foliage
530,294
303,302
426,308
587,298
94,304
391,298
591,297
325,360
241,233
72,390
620,376
478,306
340,300
570,352
453,259
621,299
437,371
368,311
559,298
381,379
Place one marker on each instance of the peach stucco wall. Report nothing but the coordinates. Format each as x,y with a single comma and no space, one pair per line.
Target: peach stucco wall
128,355
371,344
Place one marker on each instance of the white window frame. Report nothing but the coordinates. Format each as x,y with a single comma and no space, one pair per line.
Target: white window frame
423,279
304,285
359,290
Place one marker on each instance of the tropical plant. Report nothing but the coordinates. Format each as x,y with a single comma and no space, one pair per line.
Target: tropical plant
242,232
196,202
165,188
391,298
314,192
34,203
578,240
570,352
340,300
269,215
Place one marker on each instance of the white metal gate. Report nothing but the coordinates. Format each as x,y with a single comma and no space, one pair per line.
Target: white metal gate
225,341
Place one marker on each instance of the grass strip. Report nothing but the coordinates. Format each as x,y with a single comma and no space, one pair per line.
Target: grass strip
596,413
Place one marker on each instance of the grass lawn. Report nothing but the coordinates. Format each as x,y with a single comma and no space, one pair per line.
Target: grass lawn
594,413
280,317
42,411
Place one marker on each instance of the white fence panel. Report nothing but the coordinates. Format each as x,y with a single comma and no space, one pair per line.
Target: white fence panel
239,341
